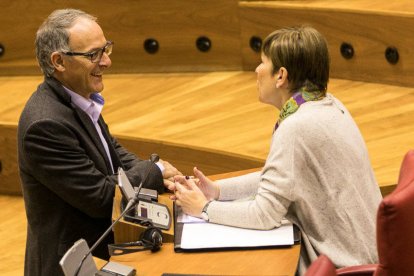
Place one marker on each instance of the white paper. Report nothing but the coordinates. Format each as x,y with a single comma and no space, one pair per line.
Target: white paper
184,218
209,235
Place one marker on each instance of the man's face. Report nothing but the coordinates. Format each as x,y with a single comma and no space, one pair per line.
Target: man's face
81,75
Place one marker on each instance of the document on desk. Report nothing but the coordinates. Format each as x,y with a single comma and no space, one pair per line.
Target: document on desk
198,234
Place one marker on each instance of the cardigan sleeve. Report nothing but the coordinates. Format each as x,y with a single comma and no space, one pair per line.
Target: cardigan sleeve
239,187
273,190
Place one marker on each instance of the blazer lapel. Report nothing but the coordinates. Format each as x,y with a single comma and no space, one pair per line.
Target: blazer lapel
93,133
87,124
116,162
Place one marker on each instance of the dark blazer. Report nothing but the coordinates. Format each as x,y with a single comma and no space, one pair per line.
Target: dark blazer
67,183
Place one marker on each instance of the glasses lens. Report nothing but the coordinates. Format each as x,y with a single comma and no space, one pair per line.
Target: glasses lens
108,48
95,56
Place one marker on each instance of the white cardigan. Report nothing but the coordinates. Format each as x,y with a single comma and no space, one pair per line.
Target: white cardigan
318,175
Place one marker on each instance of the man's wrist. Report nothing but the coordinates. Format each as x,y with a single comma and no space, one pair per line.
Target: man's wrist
160,166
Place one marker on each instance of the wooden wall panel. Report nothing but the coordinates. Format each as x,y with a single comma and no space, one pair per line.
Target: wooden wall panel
185,157
9,177
370,33
182,156
175,24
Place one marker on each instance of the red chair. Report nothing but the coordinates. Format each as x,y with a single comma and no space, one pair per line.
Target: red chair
321,267
395,229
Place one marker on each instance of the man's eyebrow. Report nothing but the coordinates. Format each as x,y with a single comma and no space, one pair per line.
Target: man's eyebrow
96,48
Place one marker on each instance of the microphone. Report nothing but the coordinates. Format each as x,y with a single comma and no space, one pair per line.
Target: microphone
154,158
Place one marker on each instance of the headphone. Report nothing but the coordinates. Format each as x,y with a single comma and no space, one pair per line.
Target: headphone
150,239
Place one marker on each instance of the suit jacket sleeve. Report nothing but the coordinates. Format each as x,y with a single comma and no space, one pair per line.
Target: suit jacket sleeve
56,158
135,169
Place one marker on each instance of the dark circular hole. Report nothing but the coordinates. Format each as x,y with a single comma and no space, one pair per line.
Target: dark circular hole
347,50
391,54
203,43
256,43
151,46
1,50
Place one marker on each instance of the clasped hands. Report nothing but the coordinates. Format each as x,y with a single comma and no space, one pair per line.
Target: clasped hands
192,194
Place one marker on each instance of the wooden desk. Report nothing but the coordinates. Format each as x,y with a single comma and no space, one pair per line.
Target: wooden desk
280,261
126,231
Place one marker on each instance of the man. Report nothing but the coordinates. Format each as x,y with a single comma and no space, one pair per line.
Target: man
67,158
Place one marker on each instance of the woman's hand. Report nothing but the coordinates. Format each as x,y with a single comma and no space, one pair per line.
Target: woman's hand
189,196
209,188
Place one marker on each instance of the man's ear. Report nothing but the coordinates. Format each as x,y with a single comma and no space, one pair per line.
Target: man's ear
282,78
57,61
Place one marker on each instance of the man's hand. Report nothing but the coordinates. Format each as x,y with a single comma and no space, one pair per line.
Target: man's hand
168,174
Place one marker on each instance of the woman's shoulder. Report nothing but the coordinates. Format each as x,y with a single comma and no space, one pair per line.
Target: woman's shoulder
315,117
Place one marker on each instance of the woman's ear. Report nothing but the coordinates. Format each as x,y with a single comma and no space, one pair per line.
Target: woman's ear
57,61
282,78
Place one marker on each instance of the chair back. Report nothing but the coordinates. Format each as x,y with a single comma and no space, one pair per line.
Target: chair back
406,170
395,225
321,267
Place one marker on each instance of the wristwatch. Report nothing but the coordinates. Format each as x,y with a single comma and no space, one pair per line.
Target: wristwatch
204,214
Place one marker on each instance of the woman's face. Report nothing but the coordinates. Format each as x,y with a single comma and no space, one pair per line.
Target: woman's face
266,81
272,87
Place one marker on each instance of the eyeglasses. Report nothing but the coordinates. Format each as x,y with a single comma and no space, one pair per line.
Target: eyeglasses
96,55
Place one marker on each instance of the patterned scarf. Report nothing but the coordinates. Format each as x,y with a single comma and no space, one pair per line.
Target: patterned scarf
293,104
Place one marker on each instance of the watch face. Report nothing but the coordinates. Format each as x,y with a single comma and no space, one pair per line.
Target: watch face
204,216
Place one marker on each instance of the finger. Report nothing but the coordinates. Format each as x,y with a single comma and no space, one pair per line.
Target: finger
173,197
199,174
192,185
179,187
179,178
169,184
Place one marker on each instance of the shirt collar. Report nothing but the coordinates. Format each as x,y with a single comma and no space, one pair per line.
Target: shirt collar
93,109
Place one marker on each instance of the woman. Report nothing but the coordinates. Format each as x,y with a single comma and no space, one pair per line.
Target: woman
317,174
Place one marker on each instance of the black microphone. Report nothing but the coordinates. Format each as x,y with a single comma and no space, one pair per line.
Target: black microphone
154,158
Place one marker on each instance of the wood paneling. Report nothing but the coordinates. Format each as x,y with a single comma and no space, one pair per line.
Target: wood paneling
370,31
9,177
175,24
13,232
215,121
185,157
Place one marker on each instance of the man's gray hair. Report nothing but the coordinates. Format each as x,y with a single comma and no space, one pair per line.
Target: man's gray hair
53,36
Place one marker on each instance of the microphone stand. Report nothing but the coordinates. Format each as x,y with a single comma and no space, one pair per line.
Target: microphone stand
131,203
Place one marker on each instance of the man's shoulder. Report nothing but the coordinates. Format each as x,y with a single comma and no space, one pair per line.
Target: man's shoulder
44,104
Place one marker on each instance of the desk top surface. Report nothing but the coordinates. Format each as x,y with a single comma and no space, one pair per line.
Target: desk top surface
271,261
280,261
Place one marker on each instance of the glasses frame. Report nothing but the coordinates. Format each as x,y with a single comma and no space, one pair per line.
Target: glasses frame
90,55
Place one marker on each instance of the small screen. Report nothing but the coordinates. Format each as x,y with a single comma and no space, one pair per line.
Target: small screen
143,211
